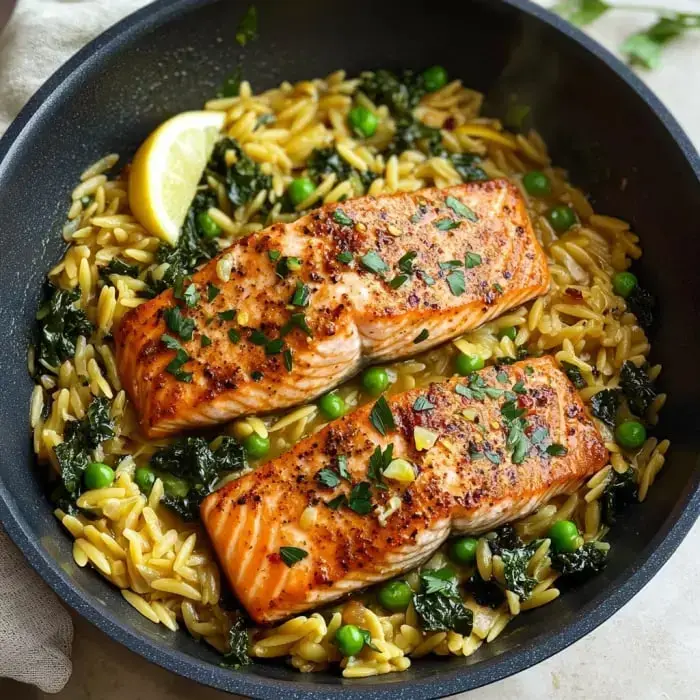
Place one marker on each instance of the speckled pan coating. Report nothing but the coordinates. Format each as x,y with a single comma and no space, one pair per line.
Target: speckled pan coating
599,120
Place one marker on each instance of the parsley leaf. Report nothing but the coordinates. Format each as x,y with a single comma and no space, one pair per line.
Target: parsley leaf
175,367
422,404
455,281
398,281
556,450
406,262
296,320
340,217
301,295
204,340
336,502
328,478
379,461
374,263
445,224
461,209
359,500
381,416
274,255
227,315
423,335
234,336
212,292
472,260
177,323
292,555
345,257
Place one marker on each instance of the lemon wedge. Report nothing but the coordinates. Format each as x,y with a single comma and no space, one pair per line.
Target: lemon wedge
167,168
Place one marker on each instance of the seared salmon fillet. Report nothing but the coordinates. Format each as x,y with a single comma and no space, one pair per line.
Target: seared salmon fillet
506,440
307,304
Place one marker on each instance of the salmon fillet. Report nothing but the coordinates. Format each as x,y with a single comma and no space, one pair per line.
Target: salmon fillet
476,477
311,302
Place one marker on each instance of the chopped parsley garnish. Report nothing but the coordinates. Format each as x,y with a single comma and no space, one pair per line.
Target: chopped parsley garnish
292,555
179,324
406,262
288,361
428,279
212,292
274,255
492,457
256,376
423,335
342,463
502,377
359,500
286,265
336,502
422,404
257,337
515,424
234,336
519,387
374,263
381,416
398,281
455,281
228,315
340,217
205,341
472,260
345,257
170,342
301,295
556,450
175,366
461,209
274,347
189,295
296,320
378,462
419,214
445,224
497,287
328,478
529,370
450,264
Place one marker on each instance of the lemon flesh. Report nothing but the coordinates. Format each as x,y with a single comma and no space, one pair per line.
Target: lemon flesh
167,168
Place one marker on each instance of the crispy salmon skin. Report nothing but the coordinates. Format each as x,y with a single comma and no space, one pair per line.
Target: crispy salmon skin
506,441
307,304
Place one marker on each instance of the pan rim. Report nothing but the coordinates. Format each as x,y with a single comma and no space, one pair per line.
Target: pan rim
453,679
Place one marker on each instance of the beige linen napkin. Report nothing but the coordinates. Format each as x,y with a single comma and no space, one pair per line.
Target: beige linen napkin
35,631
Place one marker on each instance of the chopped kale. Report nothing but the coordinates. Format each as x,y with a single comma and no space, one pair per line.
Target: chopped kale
60,324
466,165
238,643
620,492
324,161
515,563
587,560
485,593
79,440
641,303
604,406
504,538
574,374
117,266
412,134
439,613
192,462
637,388
400,95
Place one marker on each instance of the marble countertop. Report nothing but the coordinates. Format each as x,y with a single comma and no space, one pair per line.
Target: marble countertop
649,649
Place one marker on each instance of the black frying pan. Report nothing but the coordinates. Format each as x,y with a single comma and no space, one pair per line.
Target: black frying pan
619,142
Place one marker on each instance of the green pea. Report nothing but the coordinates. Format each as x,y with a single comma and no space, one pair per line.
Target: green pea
144,479
363,122
349,640
256,446
300,189
98,476
332,406
434,78
630,434
565,536
375,380
463,550
624,283
207,225
395,596
509,332
466,364
561,217
537,183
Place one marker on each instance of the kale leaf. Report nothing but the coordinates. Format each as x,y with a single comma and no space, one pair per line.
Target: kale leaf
412,134
243,179
79,439
574,374
238,643
117,266
504,538
587,560
467,165
400,95
324,161
485,592
604,406
641,303
620,492
438,613
196,468
440,605
637,387
515,563
60,324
